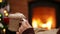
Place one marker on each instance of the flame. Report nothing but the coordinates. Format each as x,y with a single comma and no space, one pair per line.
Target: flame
36,23
49,23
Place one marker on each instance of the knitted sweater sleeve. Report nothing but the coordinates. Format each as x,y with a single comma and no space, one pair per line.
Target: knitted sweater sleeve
29,31
58,31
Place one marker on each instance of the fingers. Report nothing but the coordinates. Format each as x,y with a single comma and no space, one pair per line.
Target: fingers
26,24
21,29
17,32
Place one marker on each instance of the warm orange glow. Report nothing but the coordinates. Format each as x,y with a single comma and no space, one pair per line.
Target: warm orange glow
44,17
36,23
49,23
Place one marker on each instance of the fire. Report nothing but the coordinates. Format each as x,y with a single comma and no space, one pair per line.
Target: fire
44,17
49,23
36,23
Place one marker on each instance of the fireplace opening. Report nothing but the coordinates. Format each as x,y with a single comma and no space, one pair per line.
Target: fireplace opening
44,15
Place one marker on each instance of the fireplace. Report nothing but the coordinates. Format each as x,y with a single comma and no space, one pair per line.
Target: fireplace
43,17
44,14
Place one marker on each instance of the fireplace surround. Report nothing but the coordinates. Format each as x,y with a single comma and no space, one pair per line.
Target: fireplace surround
50,4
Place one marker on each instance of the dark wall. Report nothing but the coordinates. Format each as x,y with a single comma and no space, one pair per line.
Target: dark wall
19,6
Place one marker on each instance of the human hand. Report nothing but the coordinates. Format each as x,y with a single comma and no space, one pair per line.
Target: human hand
24,25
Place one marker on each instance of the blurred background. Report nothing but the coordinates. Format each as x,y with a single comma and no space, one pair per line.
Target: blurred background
26,7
